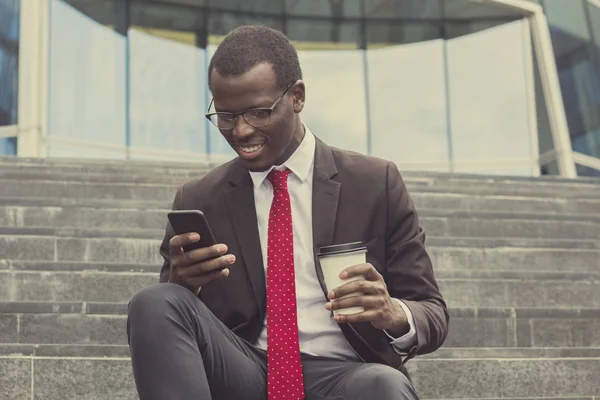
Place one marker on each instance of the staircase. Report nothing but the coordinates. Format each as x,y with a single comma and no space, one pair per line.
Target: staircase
518,261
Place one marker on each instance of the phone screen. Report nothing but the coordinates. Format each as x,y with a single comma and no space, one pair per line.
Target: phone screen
186,221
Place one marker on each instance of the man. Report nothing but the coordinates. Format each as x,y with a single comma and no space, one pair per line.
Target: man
251,318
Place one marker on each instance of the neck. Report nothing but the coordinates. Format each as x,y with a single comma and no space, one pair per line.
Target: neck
297,138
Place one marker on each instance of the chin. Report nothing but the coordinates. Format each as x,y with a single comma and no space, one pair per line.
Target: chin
256,165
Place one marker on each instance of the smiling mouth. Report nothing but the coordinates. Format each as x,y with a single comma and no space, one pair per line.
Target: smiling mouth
250,149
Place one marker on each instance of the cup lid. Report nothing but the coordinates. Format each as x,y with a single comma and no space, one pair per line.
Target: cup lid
341,248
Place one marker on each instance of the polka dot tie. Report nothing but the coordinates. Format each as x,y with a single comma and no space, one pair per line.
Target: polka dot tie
284,369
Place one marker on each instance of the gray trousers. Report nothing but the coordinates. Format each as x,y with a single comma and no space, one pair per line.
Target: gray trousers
180,350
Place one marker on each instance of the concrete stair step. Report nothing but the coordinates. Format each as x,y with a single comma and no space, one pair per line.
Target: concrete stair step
423,201
517,259
51,372
42,374
502,260
59,202
170,176
102,166
503,203
15,187
90,323
492,290
130,191
447,253
151,225
507,373
436,222
164,167
52,248
102,176
124,166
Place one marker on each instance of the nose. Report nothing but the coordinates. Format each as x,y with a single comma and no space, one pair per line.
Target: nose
242,129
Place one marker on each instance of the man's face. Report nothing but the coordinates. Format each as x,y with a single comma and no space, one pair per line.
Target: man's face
260,148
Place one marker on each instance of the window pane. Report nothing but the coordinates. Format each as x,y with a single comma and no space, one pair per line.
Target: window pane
578,71
190,3
9,56
221,23
478,10
176,23
580,84
264,7
329,8
549,169
594,12
385,34
86,83
408,9
467,27
332,68
587,171
408,105
567,17
8,146
102,11
490,111
335,108
588,143
323,35
168,95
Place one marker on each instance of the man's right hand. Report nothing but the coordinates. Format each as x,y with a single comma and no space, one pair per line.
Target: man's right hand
196,268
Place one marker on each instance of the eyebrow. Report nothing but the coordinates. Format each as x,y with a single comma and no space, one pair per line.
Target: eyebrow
253,107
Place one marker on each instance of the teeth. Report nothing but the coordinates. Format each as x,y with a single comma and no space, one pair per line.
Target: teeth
251,149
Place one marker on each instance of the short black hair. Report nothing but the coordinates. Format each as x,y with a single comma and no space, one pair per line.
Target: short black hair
250,45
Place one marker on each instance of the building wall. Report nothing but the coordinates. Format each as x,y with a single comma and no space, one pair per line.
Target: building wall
444,85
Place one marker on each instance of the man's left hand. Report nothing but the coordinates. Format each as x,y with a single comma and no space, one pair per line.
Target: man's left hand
380,309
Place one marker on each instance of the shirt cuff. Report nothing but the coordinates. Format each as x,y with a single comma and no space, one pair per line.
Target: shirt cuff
405,342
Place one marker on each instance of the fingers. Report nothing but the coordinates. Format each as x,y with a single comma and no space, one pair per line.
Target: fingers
207,266
198,281
178,241
367,270
202,254
195,268
367,302
358,286
367,315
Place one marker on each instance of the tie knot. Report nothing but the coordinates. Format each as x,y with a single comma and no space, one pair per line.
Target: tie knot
278,179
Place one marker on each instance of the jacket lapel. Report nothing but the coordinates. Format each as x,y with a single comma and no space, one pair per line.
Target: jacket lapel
326,193
240,202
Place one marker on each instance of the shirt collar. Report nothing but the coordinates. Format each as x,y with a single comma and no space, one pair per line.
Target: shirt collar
300,162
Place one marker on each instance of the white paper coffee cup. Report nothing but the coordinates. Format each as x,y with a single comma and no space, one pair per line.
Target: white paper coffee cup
334,259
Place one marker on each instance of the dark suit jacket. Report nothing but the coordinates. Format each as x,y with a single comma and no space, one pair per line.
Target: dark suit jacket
355,198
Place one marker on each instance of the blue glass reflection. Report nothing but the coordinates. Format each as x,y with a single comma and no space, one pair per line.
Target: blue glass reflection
9,53
8,146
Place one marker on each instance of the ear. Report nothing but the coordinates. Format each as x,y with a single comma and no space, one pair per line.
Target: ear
298,95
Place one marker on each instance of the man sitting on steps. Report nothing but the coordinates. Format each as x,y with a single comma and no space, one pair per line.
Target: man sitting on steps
250,318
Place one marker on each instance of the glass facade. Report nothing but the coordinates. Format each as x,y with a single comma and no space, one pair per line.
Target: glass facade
440,85
9,69
577,53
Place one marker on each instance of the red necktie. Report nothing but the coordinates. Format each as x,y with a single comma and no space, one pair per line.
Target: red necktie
284,368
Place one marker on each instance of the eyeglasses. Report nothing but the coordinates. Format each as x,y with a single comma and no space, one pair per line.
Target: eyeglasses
256,117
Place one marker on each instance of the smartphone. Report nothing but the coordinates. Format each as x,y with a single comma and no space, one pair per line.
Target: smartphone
186,221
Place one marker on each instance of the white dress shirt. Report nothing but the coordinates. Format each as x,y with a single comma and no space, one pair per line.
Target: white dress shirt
319,334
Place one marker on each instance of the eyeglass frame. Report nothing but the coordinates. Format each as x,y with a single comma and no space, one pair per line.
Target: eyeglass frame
235,116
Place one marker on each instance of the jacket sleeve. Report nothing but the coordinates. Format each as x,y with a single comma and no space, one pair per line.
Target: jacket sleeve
409,272
169,233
